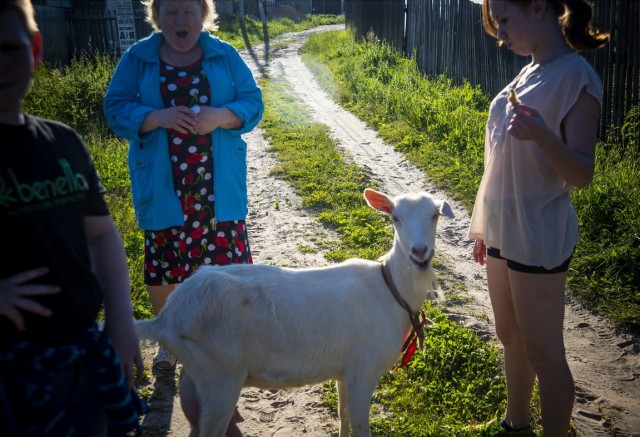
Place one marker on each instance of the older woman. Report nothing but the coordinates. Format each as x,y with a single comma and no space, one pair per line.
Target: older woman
183,98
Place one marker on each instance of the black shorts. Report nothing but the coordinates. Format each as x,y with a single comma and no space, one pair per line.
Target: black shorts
495,253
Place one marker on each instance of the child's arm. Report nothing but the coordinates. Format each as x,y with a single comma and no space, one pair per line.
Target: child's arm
572,157
15,292
109,262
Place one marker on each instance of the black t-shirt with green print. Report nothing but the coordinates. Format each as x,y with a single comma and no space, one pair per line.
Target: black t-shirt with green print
48,184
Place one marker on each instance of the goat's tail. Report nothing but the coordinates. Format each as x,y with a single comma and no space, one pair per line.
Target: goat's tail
148,330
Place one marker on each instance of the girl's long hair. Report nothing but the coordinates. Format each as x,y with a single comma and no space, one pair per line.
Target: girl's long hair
574,18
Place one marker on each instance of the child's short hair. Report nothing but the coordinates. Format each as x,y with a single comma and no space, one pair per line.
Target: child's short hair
24,8
209,14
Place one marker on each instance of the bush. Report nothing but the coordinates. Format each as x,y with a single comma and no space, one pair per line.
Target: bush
605,270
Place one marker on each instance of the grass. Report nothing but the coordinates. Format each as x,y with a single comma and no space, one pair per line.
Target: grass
229,28
606,269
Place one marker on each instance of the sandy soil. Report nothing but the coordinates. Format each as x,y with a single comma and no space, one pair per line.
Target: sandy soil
606,366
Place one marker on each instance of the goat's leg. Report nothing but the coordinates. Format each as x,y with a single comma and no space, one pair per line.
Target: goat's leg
343,413
359,392
218,398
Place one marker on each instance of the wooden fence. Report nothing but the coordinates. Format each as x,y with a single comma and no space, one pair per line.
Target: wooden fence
383,18
446,37
68,33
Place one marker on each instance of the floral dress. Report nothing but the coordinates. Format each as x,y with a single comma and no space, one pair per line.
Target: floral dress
172,255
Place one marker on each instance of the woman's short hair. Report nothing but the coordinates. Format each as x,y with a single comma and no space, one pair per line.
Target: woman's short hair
209,15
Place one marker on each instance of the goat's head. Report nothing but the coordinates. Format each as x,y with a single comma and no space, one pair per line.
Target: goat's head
415,218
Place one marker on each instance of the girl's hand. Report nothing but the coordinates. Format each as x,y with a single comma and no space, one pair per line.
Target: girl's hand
527,124
126,343
479,252
14,296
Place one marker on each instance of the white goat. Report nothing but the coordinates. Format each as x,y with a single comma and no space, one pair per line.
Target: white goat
271,327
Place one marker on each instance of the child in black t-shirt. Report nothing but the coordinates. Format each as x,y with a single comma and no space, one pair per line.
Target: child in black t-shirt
59,373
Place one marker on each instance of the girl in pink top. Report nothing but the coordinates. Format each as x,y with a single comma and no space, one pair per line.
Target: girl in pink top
539,144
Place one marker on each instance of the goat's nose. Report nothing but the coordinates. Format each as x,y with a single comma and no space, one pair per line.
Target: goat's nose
419,251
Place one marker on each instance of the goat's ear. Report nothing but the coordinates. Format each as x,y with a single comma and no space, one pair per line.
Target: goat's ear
378,200
445,209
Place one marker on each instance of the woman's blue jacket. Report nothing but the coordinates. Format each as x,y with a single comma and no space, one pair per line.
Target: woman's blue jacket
134,92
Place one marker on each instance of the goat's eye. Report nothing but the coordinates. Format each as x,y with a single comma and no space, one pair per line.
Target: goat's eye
395,219
435,217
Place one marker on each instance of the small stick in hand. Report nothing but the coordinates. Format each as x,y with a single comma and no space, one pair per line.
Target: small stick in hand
512,97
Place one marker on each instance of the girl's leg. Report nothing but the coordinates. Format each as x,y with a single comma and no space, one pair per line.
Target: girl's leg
539,301
519,374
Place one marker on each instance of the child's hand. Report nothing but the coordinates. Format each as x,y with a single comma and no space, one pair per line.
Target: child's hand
14,292
125,341
479,252
527,124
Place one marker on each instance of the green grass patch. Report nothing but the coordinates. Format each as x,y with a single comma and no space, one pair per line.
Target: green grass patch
328,186
229,27
606,269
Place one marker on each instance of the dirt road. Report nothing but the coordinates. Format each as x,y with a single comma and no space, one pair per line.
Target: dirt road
606,367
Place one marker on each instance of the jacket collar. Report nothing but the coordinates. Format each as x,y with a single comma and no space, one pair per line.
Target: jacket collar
148,48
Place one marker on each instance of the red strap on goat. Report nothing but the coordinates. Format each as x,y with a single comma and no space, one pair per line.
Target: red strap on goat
415,338
418,320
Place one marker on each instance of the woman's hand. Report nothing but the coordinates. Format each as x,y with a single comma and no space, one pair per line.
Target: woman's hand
479,252
209,119
178,118
14,296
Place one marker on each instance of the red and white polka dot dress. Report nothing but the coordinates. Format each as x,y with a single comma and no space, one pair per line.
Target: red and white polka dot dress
172,255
